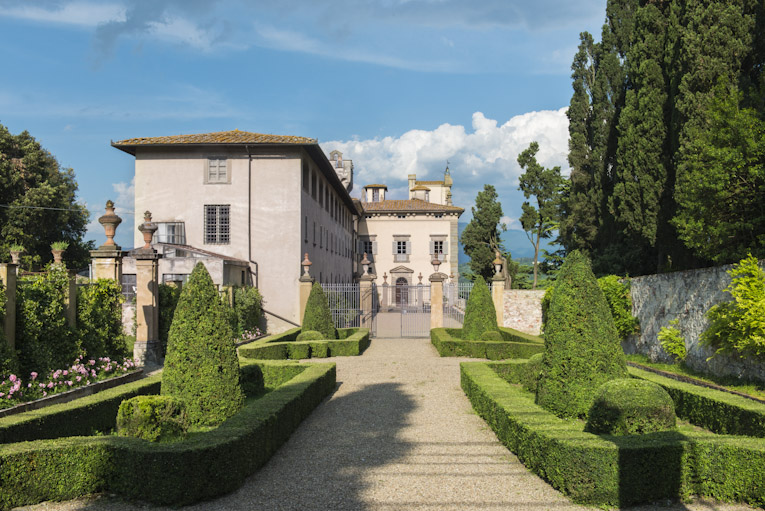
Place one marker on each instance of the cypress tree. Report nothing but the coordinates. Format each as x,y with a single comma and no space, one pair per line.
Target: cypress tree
317,315
482,230
582,348
201,365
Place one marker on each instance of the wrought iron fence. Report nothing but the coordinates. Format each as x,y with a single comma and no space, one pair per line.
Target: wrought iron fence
455,299
344,303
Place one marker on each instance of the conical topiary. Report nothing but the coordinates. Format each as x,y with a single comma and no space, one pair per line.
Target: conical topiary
480,314
201,365
317,314
582,349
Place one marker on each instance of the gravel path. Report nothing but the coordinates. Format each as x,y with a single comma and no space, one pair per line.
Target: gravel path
398,433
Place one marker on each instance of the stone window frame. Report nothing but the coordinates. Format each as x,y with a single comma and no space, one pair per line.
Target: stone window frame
217,224
213,173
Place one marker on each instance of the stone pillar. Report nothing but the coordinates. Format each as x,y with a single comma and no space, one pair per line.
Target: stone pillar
71,300
365,290
107,260
436,300
498,297
146,348
8,278
306,283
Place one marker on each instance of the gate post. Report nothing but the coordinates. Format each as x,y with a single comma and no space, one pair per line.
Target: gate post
107,259
8,278
306,283
436,300
365,291
498,297
146,346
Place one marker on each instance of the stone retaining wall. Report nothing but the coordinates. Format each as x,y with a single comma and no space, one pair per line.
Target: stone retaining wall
523,310
686,296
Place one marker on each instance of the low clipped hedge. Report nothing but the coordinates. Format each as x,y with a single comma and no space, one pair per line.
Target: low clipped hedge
284,346
613,470
449,343
206,465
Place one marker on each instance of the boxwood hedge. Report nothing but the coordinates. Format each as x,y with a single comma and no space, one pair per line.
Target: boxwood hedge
206,465
613,470
449,343
350,342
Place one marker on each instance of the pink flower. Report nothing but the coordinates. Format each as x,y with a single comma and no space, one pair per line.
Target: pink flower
42,385
93,373
12,378
50,385
44,393
29,385
33,375
69,382
79,378
2,394
66,373
92,362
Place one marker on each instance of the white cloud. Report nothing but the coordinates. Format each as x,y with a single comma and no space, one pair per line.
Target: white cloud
86,14
487,153
125,197
512,224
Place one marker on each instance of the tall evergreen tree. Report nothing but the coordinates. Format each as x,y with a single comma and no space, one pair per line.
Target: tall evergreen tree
38,203
544,185
483,232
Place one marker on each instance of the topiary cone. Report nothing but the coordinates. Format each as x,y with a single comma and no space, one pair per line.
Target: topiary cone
480,314
317,314
201,365
582,348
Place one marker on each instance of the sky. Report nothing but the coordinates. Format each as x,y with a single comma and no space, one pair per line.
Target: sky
399,86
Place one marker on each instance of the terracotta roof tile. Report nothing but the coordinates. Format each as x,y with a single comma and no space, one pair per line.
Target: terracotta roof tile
411,205
219,137
421,187
428,182
376,186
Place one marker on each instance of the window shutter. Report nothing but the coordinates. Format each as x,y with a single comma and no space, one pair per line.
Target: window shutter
432,247
445,244
394,247
408,247
228,171
374,247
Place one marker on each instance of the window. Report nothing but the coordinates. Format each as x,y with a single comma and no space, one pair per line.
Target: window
306,176
427,196
170,232
217,171
402,248
321,194
217,224
314,234
326,198
305,228
439,215
400,216
128,286
313,185
375,195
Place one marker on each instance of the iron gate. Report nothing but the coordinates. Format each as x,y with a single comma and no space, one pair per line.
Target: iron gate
345,305
413,302
455,298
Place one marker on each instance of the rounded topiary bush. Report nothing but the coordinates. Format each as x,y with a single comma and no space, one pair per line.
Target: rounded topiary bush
201,365
152,418
628,406
492,335
582,348
310,335
480,315
317,314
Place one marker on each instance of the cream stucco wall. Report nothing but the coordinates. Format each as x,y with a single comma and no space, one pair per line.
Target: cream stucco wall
171,184
420,227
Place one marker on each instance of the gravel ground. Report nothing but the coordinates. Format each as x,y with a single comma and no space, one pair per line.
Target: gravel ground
398,433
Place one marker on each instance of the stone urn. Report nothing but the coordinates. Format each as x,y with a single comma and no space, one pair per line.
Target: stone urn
110,221
147,228
57,255
16,256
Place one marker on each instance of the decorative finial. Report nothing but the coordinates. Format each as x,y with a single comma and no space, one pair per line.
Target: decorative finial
306,265
147,228
110,221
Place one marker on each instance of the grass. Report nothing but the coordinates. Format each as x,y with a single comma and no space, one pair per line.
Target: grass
752,388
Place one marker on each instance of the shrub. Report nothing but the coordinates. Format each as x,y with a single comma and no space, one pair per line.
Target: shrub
628,406
617,292
672,342
310,335
480,315
738,327
317,315
44,340
99,319
531,372
168,301
582,348
201,366
248,306
492,336
152,418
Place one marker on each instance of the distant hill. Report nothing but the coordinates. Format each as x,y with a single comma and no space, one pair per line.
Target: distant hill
514,241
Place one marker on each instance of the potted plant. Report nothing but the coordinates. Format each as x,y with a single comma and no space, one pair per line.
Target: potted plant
16,250
57,249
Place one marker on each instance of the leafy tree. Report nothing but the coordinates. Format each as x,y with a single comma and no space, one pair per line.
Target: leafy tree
721,188
481,235
38,201
201,365
544,185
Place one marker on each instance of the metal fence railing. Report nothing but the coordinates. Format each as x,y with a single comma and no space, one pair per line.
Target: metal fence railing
344,303
455,299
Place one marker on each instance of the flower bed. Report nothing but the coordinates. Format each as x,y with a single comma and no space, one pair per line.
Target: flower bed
610,470
351,342
207,465
448,343
83,372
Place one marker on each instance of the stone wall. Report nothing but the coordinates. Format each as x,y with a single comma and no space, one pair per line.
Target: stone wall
686,296
523,310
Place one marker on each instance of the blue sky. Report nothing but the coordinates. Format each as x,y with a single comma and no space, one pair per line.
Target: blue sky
400,86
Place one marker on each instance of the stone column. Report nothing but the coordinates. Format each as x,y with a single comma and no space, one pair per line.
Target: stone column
436,300
498,297
107,260
8,278
146,348
365,290
306,283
